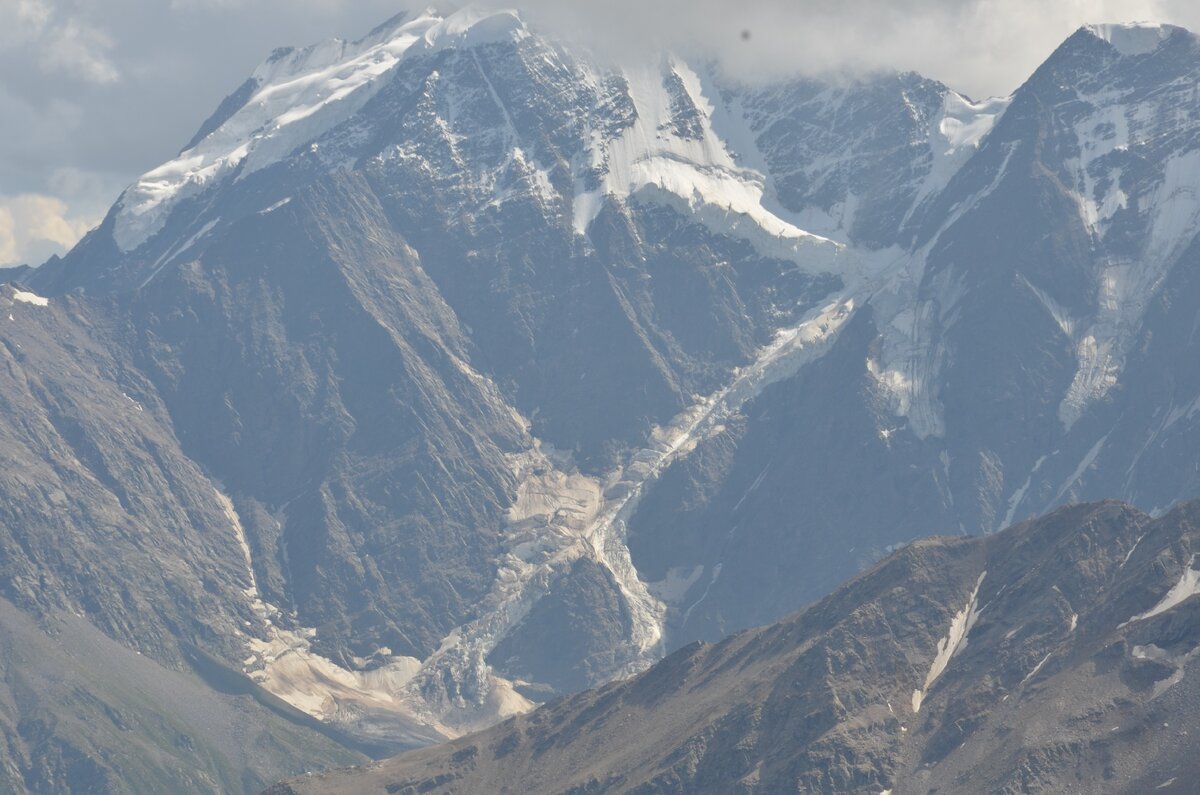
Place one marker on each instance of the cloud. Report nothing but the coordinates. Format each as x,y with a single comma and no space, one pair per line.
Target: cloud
34,226
81,51
58,40
980,46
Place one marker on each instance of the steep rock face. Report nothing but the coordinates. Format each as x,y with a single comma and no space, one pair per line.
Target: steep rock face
791,499
342,408
1057,655
1127,155
124,551
860,161
103,514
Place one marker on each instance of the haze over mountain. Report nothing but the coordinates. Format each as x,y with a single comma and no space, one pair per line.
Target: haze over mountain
449,370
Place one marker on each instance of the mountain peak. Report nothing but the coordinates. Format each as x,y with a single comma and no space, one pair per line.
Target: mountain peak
1132,38
293,97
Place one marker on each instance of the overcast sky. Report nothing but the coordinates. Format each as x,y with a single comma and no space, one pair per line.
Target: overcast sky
95,92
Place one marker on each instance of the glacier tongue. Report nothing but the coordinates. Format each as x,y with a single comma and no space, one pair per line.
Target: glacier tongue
581,517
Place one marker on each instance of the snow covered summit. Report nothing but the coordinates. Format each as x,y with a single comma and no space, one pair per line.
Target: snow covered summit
297,95
1133,38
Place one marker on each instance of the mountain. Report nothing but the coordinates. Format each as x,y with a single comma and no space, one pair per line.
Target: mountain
1056,656
452,370
13,273
1028,343
411,423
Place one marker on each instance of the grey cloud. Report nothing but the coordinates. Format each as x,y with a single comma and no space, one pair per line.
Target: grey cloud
981,47
56,41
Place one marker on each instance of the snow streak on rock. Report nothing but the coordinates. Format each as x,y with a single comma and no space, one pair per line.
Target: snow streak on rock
1187,587
954,642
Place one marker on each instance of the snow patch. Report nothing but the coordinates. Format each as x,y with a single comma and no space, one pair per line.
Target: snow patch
172,253
1132,549
1062,317
1036,668
239,534
712,580
1018,497
30,298
949,646
1187,587
1084,465
1149,652
679,580
698,174
275,206
960,129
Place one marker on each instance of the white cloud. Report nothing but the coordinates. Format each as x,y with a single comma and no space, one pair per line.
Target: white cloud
34,226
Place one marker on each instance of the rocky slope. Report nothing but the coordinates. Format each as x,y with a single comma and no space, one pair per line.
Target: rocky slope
1056,656
79,712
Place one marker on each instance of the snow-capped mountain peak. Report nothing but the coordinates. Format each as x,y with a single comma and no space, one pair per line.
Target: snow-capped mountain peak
1132,38
298,95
